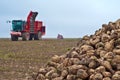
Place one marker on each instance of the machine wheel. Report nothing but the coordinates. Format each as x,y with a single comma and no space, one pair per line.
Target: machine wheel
14,38
38,36
25,36
31,36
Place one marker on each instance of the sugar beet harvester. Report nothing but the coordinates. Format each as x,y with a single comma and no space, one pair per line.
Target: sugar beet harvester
27,29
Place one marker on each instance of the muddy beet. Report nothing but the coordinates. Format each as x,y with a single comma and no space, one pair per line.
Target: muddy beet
96,57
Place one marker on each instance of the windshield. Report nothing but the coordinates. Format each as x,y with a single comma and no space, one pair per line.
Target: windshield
17,25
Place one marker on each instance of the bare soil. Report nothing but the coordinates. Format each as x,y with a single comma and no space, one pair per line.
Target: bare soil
19,59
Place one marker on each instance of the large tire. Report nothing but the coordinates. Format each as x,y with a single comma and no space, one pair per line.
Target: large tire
38,36
31,36
14,38
25,36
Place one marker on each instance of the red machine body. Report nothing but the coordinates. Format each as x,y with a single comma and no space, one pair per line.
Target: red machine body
38,25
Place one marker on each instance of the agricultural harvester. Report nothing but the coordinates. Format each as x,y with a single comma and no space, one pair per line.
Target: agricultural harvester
29,29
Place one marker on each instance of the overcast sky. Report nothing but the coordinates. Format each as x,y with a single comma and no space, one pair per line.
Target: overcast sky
71,18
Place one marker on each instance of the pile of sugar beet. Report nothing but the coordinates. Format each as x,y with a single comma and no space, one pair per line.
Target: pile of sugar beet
96,57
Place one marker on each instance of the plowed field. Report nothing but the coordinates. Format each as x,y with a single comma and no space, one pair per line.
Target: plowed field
19,59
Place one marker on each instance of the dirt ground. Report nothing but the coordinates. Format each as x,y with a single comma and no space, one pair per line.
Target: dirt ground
19,59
